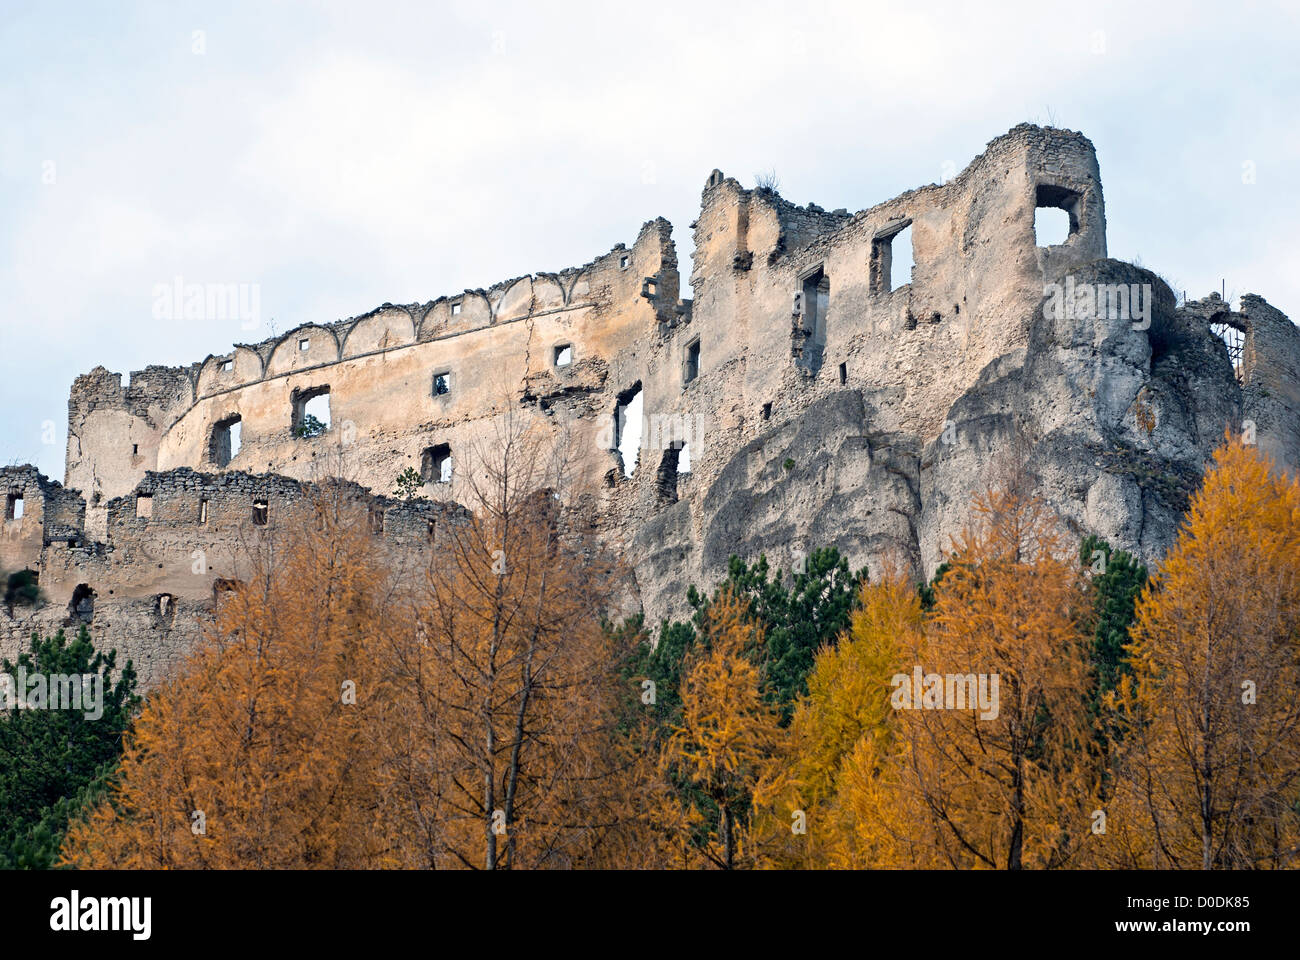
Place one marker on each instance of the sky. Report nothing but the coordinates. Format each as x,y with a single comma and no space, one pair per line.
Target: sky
330,157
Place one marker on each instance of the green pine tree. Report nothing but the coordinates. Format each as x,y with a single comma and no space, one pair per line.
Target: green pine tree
55,762
1117,579
408,485
927,590
798,614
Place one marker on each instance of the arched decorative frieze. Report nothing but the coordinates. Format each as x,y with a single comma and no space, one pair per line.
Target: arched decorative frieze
547,293
513,300
579,288
238,368
385,329
306,346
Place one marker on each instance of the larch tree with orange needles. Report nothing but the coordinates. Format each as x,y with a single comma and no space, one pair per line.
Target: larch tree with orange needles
518,681
727,736
807,817
1207,756
259,754
992,766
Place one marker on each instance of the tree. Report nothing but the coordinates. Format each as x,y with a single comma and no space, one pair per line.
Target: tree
1000,776
726,735
927,590
311,426
52,761
847,709
1207,765
656,666
1117,579
22,590
796,621
347,711
513,761
409,484
260,753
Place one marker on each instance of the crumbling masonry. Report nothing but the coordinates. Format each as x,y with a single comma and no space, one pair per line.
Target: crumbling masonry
818,397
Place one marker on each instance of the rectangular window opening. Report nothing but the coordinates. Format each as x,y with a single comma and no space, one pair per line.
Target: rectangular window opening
14,506
666,478
203,510
435,464
261,513
812,303
310,411
891,258
844,373
442,383
767,411
691,361
304,345
563,355
144,506
1056,214
223,445
376,520
628,428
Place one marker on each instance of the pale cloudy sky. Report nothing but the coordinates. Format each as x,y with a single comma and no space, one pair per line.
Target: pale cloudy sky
339,155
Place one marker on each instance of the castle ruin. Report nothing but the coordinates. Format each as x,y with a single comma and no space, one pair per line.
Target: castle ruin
796,392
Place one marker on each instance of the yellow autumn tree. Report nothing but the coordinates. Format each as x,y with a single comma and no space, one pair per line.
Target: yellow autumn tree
807,818
349,711
992,762
506,757
1207,752
718,753
259,755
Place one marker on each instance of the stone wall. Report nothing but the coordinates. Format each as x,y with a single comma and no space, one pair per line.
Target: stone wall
148,587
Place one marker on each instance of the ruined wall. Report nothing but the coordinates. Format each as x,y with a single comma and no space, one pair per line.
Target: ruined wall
818,397
497,347
816,436
1268,371
115,432
148,587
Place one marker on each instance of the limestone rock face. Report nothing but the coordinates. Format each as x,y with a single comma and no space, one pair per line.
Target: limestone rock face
1111,420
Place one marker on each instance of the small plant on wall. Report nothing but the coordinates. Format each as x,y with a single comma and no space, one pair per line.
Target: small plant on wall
311,426
409,484
21,589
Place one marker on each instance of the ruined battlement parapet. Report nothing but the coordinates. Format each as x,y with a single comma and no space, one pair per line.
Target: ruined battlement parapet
37,513
172,545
